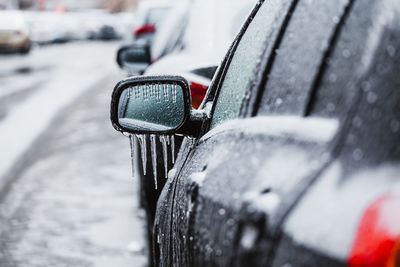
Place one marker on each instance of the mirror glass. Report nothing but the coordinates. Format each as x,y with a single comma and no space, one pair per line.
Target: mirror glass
136,57
152,107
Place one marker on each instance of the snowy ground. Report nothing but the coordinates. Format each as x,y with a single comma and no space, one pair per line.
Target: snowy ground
71,201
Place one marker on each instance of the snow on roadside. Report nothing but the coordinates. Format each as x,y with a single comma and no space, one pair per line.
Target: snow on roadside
78,72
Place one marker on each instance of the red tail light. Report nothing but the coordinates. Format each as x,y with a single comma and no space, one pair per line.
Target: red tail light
148,28
198,92
377,243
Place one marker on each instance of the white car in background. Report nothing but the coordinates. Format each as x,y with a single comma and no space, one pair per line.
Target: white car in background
148,16
14,34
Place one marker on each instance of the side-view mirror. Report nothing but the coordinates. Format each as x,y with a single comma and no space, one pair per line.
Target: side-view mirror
135,57
154,105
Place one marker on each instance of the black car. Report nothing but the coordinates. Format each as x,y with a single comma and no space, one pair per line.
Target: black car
293,158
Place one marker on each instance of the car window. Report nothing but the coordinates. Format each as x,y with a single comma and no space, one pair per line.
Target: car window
241,69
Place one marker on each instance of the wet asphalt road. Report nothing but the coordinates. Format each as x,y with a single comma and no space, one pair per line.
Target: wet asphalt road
73,202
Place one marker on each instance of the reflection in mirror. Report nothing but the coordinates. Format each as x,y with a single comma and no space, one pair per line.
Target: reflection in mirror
152,107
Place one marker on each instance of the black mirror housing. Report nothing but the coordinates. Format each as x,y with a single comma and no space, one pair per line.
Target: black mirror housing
154,105
135,57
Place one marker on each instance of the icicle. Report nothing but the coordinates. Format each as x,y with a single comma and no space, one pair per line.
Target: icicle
173,148
153,90
143,148
154,157
163,141
146,92
173,92
166,96
137,92
132,143
158,94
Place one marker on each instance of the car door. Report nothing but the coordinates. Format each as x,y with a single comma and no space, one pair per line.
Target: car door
225,204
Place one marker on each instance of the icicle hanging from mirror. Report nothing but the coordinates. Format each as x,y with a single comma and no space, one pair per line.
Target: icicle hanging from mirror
173,148
154,157
143,149
132,144
163,141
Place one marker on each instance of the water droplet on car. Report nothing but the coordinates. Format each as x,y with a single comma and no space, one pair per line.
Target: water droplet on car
366,86
395,126
371,97
222,212
209,249
249,237
336,19
331,107
382,68
332,77
346,53
357,154
218,253
391,50
357,122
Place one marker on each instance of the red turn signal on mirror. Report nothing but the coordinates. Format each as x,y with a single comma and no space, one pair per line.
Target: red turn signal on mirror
148,28
377,243
198,92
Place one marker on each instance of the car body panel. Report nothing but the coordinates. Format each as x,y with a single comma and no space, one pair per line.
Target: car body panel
367,163
227,189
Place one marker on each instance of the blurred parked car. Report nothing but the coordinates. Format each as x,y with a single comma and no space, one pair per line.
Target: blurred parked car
148,16
137,57
108,32
49,27
293,158
104,26
13,32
